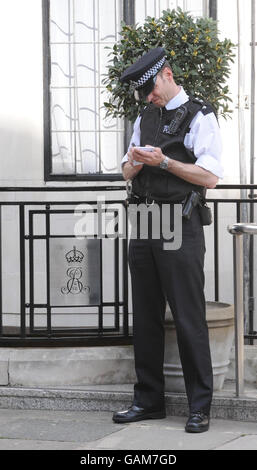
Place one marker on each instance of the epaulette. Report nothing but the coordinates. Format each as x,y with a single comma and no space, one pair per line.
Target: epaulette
206,108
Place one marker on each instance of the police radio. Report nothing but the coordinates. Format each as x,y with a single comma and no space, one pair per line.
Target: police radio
176,122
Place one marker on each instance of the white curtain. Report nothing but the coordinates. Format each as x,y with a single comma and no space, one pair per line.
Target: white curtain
83,141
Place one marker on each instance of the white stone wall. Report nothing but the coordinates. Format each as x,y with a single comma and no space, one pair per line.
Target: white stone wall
21,110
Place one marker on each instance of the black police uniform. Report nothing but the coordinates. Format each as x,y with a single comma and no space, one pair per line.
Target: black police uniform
176,276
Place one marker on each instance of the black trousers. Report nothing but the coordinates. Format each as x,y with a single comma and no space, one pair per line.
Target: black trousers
177,276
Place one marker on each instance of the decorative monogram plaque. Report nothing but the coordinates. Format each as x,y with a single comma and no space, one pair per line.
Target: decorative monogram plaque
74,272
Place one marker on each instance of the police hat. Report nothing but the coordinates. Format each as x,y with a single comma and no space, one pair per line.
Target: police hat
142,74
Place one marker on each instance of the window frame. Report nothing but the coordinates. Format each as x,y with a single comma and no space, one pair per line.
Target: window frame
213,9
48,175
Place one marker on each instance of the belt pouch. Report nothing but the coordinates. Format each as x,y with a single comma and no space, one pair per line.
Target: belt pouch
205,214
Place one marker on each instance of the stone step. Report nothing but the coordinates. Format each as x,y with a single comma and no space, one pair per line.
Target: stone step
99,398
59,366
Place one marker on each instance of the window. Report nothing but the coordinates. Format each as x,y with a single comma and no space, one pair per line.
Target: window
145,8
79,142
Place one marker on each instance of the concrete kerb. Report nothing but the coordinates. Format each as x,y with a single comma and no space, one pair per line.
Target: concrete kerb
83,399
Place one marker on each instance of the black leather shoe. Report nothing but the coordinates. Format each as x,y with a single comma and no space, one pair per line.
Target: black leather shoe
197,422
135,413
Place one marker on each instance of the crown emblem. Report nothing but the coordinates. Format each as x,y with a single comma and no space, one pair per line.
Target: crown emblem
74,256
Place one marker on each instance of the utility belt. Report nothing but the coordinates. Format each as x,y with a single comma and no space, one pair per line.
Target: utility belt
192,200
149,201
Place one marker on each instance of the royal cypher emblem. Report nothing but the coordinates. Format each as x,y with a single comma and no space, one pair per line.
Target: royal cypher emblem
74,273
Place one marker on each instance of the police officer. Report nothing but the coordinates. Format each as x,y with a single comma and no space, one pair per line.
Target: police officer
185,159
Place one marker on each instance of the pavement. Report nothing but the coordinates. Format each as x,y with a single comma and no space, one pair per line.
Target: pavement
94,430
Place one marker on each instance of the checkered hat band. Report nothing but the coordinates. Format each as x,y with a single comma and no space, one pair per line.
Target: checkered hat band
150,73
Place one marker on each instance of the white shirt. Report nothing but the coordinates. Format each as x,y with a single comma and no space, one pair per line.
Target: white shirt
203,139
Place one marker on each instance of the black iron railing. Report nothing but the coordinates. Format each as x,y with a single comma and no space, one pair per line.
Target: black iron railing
31,315
28,242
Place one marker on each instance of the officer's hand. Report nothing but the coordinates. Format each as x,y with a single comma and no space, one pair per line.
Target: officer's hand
150,158
130,159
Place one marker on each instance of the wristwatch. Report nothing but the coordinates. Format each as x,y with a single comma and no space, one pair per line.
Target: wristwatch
164,163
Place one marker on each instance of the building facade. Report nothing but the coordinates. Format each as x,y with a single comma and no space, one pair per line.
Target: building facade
54,133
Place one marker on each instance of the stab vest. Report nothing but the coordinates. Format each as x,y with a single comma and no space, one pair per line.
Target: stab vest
151,181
